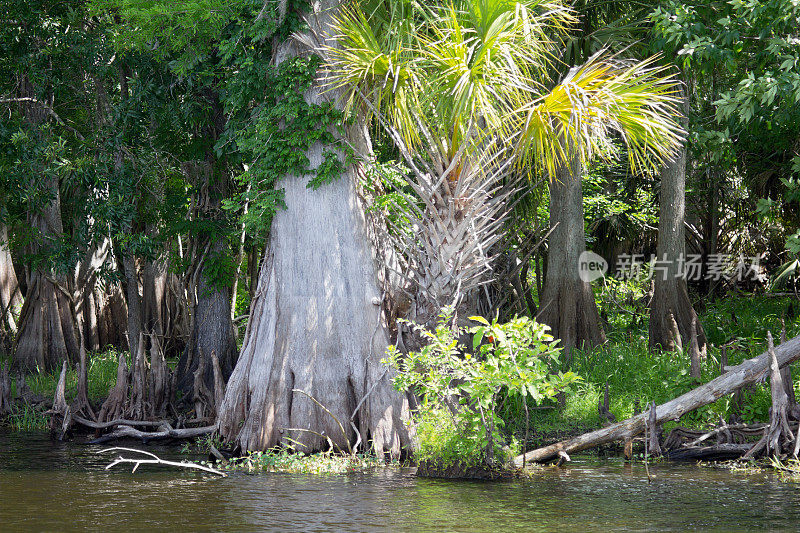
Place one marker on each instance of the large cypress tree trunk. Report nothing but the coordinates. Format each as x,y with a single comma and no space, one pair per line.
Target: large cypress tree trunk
567,304
316,322
46,334
671,296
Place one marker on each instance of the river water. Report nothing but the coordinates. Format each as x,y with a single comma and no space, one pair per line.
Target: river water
46,486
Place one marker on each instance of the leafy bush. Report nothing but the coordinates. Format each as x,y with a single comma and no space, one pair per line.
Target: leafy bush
457,420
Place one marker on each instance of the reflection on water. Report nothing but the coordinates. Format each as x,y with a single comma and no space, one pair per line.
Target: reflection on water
55,486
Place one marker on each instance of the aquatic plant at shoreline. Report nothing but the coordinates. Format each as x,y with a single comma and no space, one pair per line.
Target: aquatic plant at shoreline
28,418
287,460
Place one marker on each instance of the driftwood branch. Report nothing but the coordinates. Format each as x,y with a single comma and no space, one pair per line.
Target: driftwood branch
735,378
117,422
155,460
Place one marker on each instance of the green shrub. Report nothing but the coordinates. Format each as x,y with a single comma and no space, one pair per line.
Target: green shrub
457,421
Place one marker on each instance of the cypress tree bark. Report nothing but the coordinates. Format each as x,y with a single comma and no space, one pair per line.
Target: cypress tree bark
47,326
316,323
567,304
10,294
671,295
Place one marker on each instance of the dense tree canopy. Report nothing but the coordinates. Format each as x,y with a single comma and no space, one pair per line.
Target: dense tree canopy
293,182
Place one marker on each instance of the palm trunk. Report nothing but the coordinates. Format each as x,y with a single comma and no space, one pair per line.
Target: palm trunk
671,296
567,304
316,323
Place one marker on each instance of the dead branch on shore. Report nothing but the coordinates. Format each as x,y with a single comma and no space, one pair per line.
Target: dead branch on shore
778,435
155,461
164,431
60,413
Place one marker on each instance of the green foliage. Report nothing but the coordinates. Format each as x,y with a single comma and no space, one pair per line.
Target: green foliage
620,209
204,444
451,77
275,137
289,461
634,374
101,376
740,59
457,422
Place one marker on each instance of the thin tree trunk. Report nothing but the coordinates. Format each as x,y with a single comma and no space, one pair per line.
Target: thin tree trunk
212,328
316,323
154,287
212,325
239,257
133,295
567,303
10,295
671,296
134,300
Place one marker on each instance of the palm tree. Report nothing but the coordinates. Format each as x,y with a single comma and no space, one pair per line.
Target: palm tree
466,91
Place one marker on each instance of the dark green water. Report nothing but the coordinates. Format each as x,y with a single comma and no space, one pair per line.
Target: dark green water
48,486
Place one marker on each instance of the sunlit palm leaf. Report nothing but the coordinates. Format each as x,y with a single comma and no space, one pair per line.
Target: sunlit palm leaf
604,96
464,89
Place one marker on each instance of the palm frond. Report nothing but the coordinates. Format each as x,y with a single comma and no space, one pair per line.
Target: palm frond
636,100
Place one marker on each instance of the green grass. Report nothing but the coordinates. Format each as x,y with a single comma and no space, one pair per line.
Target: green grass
633,373
102,375
28,418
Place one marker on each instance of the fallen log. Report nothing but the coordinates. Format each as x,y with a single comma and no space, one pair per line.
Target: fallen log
164,432
119,422
735,378
717,452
